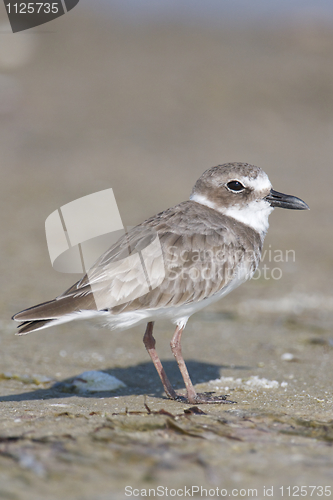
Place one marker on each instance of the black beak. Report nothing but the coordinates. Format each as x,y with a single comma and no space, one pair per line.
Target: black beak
281,200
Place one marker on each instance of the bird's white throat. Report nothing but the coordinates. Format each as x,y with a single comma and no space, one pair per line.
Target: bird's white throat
255,214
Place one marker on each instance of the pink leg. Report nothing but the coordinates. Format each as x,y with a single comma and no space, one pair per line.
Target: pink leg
192,396
176,349
149,343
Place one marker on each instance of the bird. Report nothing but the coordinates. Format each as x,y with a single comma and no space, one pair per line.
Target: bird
174,264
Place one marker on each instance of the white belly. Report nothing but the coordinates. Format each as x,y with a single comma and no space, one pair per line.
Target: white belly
176,314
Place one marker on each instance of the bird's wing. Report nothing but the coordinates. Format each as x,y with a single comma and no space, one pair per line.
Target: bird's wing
182,255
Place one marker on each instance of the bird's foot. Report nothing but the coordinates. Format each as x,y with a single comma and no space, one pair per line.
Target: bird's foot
179,398
203,398
208,398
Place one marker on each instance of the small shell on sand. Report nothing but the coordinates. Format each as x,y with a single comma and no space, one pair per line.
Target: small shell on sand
95,381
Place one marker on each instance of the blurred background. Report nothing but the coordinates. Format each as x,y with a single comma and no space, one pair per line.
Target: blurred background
143,97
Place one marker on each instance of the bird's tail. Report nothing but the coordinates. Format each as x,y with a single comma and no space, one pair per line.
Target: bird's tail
31,326
64,308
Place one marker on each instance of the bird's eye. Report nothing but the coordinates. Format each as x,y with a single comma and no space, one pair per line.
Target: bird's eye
235,186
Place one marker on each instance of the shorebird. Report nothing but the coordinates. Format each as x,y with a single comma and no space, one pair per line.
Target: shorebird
174,264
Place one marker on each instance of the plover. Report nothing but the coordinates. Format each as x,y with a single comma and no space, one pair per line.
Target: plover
192,255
